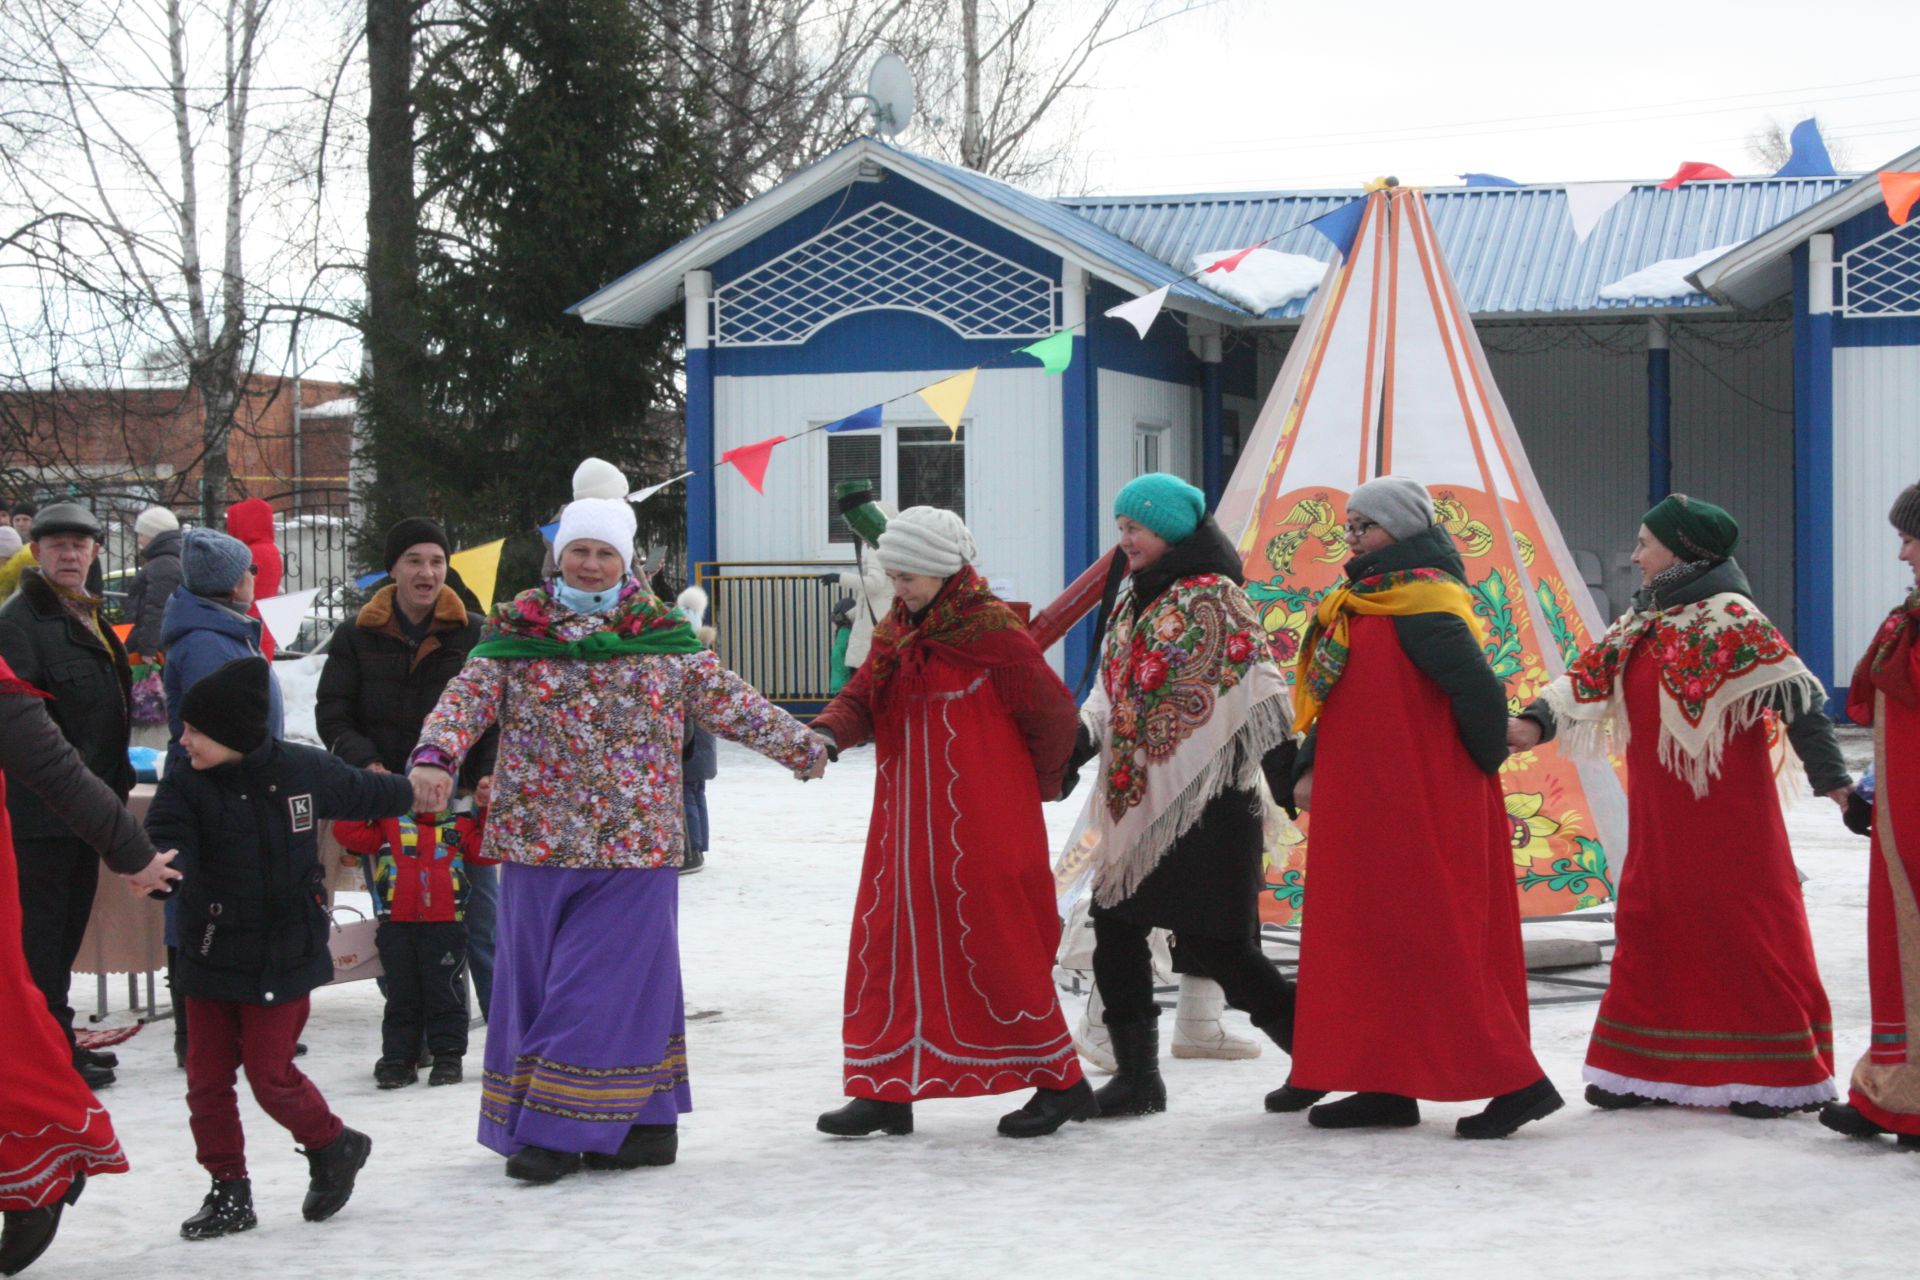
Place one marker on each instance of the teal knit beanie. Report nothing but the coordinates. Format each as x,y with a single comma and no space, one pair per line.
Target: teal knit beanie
1165,504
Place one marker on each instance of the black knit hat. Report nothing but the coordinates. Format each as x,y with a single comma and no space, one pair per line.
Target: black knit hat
1906,511
411,532
229,705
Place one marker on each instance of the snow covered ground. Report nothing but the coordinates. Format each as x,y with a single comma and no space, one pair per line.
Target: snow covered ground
1215,1187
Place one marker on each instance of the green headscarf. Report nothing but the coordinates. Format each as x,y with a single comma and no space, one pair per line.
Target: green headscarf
1692,529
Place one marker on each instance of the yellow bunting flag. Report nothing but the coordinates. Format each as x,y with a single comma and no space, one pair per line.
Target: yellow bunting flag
948,399
479,568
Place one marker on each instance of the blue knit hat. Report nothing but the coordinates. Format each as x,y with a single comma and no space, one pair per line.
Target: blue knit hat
1165,504
212,563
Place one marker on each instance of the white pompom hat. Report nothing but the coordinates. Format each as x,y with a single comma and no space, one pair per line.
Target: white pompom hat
598,478
608,520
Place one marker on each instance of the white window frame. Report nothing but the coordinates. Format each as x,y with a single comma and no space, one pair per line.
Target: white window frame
889,432
1160,431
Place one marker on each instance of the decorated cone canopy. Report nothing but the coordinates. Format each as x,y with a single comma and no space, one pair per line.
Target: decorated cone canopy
1387,376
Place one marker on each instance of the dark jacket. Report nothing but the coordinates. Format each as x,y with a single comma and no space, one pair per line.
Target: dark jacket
88,678
1810,731
699,765
378,686
1443,648
153,586
252,921
37,759
200,636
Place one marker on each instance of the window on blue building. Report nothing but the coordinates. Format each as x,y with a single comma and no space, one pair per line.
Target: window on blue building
854,457
932,469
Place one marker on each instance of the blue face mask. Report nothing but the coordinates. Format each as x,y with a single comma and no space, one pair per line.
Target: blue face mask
586,601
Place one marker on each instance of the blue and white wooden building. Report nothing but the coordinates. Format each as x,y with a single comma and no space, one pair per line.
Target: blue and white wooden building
876,271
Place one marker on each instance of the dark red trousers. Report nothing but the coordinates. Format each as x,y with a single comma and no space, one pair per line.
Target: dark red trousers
222,1038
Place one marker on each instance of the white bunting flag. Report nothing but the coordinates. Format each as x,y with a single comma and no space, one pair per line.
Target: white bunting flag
283,615
1588,202
1140,312
641,495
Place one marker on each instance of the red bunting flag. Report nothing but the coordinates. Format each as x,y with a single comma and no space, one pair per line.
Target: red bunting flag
750,460
1231,261
1694,171
1900,190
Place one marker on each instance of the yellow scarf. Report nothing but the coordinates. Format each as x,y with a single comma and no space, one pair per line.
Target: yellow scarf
1323,654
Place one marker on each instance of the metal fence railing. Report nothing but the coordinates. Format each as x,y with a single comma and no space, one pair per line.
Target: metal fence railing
773,624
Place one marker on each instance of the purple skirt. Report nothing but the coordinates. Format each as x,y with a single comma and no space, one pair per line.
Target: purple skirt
587,1034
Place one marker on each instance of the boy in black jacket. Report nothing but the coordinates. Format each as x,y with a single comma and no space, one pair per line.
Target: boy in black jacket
253,932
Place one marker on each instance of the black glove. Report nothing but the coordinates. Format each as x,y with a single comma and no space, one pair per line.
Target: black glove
1278,765
1084,749
1858,815
833,747
1068,781
829,579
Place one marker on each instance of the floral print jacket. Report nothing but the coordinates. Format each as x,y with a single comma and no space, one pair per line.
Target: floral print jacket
588,774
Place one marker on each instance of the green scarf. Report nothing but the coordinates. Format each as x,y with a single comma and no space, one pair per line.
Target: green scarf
522,628
595,647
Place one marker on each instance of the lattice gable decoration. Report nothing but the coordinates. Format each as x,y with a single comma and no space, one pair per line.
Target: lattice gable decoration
1882,276
883,259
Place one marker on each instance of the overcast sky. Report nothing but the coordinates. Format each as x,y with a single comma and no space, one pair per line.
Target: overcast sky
1279,94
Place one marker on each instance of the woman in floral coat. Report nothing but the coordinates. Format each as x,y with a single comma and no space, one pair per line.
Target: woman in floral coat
590,678
1189,709
1714,999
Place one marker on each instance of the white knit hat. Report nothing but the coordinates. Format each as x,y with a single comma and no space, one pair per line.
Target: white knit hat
927,541
598,478
155,521
608,520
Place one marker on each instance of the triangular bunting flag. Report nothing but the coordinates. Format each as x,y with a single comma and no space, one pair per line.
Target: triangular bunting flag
750,460
1694,171
1487,180
282,615
550,531
1588,202
479,568
639,496
1231,261
1809,158
1900,191
1055,353
366,580
948,399
1140,312
865,420
1341,225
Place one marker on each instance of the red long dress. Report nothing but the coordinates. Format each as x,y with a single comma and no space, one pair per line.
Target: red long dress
1412,976
51,1125
950,969
1715,997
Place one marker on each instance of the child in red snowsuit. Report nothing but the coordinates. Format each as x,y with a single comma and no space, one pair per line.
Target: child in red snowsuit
416,872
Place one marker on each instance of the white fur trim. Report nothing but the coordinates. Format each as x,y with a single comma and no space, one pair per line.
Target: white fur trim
693,603
1719,1095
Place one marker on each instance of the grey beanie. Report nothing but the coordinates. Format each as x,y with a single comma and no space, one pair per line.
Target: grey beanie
1906,511
928,541
212,563
1398,504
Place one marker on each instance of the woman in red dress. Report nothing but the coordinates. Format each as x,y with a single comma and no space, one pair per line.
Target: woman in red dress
53,1131
1884,1095
1715,1000
950,975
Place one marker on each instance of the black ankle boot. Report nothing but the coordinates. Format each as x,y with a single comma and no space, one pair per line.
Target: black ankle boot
1048,1109
863,1116
1509,1111
1136,1088
1608,1100
645,1146
1366,1111
227,1209
446,1070
1290,1097
538,1164
28,1232
331,1170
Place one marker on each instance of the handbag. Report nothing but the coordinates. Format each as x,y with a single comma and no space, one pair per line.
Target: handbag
355,955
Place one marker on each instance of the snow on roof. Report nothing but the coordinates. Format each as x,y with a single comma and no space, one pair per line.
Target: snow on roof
1666,278
1265,278
344,407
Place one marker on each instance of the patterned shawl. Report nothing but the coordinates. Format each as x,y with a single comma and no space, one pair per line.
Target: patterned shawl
966,621
523,628
1887,664
1398,594
1723,665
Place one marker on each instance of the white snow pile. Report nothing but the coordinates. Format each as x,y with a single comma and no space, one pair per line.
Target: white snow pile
299,684
1265,278
1666,278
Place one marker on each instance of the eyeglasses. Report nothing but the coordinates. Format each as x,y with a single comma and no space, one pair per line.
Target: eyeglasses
1358,529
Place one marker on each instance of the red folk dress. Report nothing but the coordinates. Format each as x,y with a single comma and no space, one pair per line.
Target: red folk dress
1715,997
950,967
51,1125
1412,976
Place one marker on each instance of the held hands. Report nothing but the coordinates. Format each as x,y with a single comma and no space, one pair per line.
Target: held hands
818,769
1303,791
156,877
1840,796
1523,734
432,789
483,793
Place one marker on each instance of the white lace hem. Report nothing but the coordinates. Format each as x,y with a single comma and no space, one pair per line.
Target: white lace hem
1718,1095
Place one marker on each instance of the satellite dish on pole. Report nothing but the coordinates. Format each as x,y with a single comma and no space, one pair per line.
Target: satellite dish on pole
889,95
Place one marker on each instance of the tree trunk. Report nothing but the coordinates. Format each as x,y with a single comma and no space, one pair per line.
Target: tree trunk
972,128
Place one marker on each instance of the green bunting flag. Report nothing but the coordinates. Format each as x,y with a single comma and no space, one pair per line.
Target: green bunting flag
1056,353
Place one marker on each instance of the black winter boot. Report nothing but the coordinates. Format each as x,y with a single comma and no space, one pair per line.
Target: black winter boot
331,1170
538,1164
862,1116
228,1209
97,1078
446,1070
395,1073
1608,1100
1136,1088
28,1232
1509,1111
645,1146
1366,1111
1288,1097
1048,1109
101,1058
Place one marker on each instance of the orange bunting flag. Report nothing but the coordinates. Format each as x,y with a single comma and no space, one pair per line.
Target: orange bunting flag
948,399
1901,190
750,460
1694,171
1231,261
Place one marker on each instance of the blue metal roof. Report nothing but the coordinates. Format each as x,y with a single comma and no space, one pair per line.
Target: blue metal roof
1511,249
